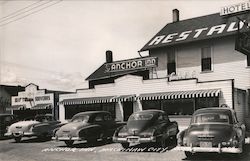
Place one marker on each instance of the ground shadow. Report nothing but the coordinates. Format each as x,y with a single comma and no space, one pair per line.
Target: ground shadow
149,148
32,140
87,145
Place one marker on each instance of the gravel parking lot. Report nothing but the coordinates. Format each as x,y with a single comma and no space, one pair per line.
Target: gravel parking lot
32,149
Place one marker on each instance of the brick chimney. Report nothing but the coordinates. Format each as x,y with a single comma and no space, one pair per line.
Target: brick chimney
176,15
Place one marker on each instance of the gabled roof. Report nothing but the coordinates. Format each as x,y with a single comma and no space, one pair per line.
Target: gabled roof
101,73
191,25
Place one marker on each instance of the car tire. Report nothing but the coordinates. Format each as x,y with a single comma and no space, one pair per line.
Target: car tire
18,139
163,142
189,154
125,145
69,142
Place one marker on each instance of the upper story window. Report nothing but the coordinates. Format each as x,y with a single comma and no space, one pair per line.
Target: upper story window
171,63
248,60
206,58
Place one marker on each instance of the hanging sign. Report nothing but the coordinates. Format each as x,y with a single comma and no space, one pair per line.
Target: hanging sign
236,8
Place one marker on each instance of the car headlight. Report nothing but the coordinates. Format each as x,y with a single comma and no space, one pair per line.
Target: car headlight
185,141
31,128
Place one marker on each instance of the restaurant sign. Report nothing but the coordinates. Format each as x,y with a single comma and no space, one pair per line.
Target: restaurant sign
133,64
236,8
214,30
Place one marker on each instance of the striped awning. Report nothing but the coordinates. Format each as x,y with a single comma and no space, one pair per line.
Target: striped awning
124,98
88,100
42,106
17,107
180,94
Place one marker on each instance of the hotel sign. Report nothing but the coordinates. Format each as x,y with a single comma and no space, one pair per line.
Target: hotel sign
240,7
133,64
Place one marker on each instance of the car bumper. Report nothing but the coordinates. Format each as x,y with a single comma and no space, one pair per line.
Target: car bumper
210,149
134,139
20,134
58,138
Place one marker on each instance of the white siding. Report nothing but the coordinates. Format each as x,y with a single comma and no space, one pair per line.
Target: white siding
135,85
227,62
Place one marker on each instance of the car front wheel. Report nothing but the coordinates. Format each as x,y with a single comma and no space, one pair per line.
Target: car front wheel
69,142
125,145
18,139
188,154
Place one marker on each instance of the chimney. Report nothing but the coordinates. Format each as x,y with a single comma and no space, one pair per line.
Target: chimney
175,15
109,56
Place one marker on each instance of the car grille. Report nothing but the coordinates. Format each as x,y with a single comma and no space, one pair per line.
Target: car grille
205,137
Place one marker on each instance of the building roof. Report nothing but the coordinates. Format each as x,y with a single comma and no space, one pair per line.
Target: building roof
12,90
101,73
190,26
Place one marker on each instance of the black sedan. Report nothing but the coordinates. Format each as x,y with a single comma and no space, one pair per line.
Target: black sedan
88,126
213,130
5,121
148,126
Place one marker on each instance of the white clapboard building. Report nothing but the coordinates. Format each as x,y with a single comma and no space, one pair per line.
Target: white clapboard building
195,63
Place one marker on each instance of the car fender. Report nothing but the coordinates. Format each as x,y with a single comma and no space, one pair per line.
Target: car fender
90,131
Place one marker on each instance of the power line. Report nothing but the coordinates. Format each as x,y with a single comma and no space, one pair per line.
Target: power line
31,13
21,9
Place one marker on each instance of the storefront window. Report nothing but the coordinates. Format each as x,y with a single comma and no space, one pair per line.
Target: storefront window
152,104
206,102
178,107
181,106
71,110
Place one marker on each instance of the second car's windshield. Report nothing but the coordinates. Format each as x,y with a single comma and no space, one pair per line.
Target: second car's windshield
83,118
141,117
211,118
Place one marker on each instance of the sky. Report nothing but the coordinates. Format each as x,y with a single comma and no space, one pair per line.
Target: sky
57,44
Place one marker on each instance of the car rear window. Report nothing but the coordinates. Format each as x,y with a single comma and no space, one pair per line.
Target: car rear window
83,118
141,117
211,118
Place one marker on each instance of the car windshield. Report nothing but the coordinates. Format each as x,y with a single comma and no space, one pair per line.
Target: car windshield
211,118
141,116
82,118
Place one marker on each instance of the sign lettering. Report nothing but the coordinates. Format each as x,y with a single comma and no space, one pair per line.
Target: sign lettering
214,30
132,64
240,7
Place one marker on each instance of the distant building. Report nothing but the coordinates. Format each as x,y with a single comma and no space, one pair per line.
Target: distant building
6,92
32,101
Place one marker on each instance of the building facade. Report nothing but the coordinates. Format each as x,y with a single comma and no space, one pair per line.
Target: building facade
192,64
32,101
6,92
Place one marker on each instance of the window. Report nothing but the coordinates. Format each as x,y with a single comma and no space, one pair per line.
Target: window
248,60
206,59
171,64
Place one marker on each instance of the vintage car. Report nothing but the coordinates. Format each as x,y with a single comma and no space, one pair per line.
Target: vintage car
212,130
41,126
148,126
5,121
88,126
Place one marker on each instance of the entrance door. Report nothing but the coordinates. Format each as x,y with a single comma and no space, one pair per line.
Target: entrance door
127,110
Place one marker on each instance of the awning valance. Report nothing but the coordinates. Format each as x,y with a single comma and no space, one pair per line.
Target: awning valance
42,106
124,98
89,100
17,107
180,94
